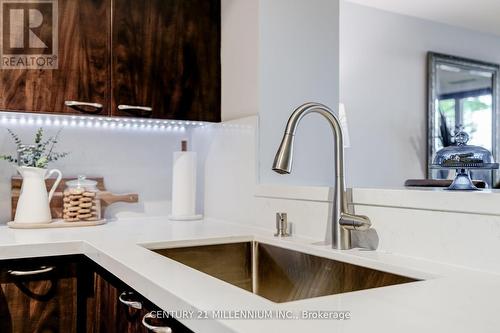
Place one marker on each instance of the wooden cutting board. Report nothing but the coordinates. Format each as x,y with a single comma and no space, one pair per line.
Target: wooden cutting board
56,205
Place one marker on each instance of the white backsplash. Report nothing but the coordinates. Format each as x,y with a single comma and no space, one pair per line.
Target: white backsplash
227,163
130,160
459,228
232,191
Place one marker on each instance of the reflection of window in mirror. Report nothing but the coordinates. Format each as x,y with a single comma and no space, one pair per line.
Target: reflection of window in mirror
465,99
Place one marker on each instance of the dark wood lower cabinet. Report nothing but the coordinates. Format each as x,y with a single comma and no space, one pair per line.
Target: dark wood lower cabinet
38,295
69,294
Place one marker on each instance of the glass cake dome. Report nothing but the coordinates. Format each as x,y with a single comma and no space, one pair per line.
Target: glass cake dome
463,157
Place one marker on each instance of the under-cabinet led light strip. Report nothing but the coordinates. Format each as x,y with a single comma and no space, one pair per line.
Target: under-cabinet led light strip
17,118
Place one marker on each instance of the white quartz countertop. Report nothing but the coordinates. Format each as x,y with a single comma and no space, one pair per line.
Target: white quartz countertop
450,299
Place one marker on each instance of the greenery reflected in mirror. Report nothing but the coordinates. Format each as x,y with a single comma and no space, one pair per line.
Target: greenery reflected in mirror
462,93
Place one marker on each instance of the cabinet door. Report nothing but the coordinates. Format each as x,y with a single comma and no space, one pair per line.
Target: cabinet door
38,296
83,56
166,59
116,308
112,315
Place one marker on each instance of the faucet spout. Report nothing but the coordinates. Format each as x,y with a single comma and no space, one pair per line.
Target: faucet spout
342,221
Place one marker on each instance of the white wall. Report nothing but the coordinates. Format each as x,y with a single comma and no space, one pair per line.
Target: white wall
298,63
383,85
240,58
276,55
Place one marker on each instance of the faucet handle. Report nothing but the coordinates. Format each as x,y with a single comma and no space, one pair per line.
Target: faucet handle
354,222
281,225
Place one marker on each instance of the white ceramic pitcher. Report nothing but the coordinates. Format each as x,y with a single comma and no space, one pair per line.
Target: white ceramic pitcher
34,202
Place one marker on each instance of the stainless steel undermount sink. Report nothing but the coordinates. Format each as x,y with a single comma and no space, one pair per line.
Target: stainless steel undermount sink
278,274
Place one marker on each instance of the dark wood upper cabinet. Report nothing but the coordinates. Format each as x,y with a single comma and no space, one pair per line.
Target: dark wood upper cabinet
162,60
166,56
83,65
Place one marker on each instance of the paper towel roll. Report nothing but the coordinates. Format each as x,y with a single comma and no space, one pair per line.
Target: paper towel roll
184,186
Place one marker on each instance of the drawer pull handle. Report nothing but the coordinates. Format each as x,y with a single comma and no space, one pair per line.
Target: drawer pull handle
136,110
123,107
155,329
130,304
42,270
79,106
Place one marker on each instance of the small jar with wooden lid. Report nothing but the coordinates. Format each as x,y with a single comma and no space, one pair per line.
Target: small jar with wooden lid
81,200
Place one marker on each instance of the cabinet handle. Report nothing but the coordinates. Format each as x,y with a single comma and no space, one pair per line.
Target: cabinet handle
43,269
130,304
133,109
155,329
79,106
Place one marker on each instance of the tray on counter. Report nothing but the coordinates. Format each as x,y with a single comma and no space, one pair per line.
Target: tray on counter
58,223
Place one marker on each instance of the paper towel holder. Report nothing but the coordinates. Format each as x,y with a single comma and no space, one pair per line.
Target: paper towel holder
182,216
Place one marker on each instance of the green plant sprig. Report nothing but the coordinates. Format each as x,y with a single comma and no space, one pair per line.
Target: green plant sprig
40,154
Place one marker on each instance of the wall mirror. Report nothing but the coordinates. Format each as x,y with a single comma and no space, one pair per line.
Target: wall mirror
462,93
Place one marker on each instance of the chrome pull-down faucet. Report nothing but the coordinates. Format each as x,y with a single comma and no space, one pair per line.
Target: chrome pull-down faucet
342,221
